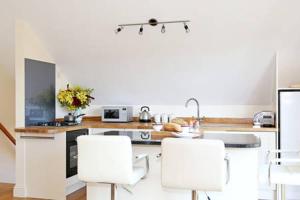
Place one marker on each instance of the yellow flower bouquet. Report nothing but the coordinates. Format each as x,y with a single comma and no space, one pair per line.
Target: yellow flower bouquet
75,98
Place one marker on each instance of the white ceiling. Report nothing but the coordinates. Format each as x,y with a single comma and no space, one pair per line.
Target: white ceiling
227,58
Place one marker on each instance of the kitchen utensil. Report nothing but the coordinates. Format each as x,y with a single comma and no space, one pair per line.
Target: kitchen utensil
71,117
145,115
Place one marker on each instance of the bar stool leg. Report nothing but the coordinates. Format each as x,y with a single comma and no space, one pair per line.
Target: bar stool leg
194,195
283,192
113,191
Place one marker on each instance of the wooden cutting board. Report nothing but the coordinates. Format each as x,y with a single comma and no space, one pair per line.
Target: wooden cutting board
295,86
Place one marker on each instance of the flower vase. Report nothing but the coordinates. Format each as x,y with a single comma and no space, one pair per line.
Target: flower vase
77,113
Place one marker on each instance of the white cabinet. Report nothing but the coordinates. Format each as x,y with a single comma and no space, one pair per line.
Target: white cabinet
268,142
41,167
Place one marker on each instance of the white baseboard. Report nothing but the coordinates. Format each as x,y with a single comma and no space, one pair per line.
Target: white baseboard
19,192
266,194
72,188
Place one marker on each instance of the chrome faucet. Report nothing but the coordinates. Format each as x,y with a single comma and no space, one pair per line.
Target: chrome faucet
198,111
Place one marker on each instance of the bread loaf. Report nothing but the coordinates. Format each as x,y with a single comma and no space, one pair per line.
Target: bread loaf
180,121
173,127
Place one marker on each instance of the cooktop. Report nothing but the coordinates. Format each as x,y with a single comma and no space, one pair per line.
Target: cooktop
56,124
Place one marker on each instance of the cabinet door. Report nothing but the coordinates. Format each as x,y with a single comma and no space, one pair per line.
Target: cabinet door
268,142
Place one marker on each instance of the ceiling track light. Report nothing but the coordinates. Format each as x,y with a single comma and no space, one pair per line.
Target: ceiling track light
154,22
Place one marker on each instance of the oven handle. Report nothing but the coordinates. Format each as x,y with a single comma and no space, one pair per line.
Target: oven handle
38,137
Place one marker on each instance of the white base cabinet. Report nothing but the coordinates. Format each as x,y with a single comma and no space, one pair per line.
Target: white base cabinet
268,142
41,167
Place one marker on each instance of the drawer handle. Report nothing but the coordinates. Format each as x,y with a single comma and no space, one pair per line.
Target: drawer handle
38,137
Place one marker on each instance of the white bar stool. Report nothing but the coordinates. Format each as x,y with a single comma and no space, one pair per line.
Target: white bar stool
284,171
194,164
108,159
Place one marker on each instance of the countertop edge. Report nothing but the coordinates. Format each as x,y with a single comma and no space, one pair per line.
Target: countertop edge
228,127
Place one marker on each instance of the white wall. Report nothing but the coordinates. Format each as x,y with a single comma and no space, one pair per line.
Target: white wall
227,58
231,111
27,45
288,63
7,105
227,61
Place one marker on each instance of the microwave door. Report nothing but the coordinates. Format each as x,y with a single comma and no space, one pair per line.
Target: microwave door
111,114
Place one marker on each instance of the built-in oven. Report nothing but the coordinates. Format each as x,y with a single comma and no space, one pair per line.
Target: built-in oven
72,150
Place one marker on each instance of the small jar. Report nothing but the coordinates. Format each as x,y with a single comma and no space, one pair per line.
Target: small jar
157,119
171,117
164,118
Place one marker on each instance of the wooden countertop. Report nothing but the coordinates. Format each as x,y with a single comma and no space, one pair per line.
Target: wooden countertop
208,125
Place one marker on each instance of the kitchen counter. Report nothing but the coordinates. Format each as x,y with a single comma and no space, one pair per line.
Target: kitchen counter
235,126
44,145
153,138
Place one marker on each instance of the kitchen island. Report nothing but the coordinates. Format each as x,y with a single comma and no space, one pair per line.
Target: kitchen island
242,150
41,159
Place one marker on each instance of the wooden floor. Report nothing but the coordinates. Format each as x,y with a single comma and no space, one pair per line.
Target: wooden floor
6,193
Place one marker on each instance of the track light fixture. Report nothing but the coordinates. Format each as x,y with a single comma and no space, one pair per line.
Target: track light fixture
154,22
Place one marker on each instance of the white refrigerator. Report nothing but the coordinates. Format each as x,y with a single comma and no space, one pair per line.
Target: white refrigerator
289,128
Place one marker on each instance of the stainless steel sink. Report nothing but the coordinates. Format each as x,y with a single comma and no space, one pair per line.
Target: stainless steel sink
235,140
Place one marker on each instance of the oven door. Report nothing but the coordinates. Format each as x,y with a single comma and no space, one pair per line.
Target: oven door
72,151
72,154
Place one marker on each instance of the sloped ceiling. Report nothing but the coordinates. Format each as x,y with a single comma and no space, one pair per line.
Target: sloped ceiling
228,58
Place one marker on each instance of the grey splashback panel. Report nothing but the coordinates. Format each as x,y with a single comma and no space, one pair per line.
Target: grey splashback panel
39,92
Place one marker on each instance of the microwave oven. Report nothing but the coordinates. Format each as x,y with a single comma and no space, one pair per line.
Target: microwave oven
117,113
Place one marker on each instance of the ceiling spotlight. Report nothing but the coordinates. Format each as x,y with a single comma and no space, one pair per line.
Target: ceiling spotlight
119,29
187,30
163,29
141,30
